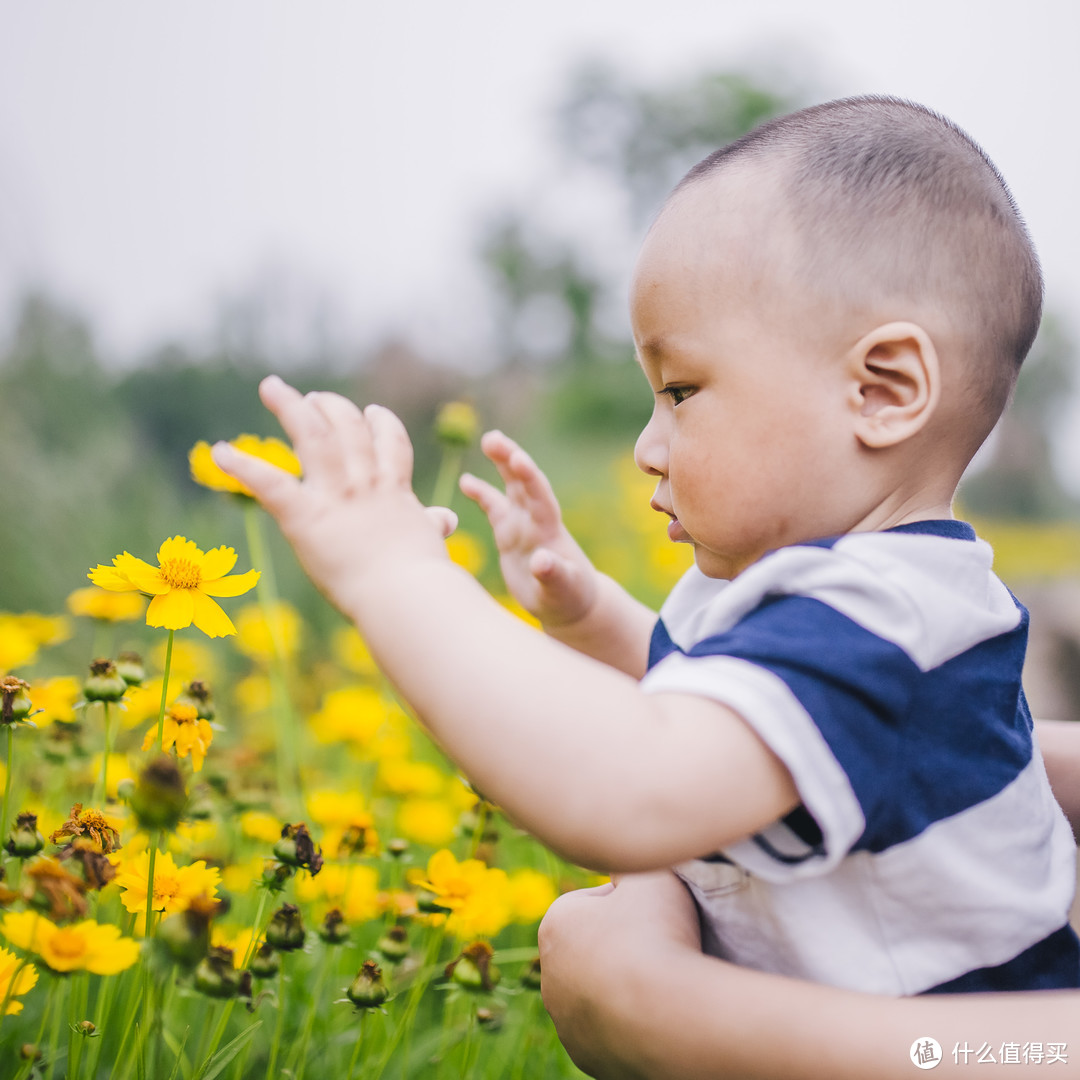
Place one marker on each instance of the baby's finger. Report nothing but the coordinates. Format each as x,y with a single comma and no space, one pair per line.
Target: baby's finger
445,519
345,451
393,448
489,498
307,426
273,487
535,485
558,577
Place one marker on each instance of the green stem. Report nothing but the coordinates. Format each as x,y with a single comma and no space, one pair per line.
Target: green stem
482,812
7,782
50,1000
287,755
359,1042
164,695
412,1002
101,791
155,839
299,1062
279,1025
446,482
219,1031
54,1034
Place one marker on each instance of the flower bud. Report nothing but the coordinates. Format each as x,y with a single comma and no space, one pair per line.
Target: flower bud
86,1028
456,425
30,1051
25,840
130,668
394,944
428,903
197,693
333,929
185,935
215,976
104,683
159,797
531,979
276,876
368,991
296,848
266,963
125,789
397,847
14,701
473,969
286,929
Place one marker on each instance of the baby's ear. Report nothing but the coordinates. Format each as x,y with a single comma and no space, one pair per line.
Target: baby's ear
895,382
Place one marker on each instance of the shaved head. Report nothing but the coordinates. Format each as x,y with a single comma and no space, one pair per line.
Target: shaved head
892,212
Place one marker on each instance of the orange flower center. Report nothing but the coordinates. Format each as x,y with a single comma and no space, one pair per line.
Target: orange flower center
181,573
68,944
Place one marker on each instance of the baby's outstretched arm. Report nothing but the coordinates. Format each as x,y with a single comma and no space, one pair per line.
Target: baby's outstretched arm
548,573
573,750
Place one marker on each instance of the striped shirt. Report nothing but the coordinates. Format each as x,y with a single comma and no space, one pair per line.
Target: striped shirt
928,853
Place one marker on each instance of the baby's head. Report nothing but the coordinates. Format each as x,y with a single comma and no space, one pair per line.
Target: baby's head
832,312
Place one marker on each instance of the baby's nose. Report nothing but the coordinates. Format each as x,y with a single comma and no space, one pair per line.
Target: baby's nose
650,450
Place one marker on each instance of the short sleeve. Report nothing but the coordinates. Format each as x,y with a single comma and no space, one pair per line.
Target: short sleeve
829,697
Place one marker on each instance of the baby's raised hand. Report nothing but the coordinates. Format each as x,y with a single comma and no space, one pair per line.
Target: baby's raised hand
545,570
354,510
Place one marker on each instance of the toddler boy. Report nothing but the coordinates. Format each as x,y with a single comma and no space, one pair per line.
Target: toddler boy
833,749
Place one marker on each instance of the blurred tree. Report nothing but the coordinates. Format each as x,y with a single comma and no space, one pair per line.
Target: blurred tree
637,142
1018,479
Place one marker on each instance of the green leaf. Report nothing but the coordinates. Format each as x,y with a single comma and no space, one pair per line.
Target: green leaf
216,1065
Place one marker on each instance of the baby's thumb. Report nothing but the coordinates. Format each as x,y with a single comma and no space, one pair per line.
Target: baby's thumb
446,521
550,570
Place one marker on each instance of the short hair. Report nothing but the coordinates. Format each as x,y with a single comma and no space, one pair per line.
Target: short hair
892,200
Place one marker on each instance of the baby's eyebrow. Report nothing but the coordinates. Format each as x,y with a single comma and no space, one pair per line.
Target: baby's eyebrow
654,348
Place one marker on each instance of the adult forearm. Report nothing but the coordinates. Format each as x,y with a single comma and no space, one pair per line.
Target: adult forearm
616,631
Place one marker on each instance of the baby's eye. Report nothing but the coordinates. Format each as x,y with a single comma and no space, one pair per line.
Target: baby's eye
678,394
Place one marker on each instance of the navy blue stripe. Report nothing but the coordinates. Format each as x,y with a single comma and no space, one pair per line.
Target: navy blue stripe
953,530
916,746
1050,964
660,644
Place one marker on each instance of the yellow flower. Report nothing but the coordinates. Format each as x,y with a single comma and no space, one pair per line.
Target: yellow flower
254,693
190,660
427,821
465,550
56,699
255,632
478,897
119,769
403,777
241,877
46,629
353,890
351,652
353,714
95,603
182,584
204,470
174,886
18,645
83,946
184,729
531,894
14,981
260,825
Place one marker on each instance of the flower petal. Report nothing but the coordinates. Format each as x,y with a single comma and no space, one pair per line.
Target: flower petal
218,562
142,575
108,577
230,586
179,547
209,616
205,471
27,929
174,610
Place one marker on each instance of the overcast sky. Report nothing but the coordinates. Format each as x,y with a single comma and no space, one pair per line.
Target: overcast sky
155,157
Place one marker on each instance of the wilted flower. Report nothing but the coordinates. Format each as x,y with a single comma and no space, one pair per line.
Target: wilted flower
15,703
205,471
90,823
54,888
182,584
84,946
296,848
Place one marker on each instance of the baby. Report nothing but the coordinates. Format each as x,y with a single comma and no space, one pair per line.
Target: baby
825,731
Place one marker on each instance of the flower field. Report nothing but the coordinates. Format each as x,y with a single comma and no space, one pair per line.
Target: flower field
230,851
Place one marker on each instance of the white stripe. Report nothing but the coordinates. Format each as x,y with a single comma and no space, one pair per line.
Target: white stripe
765,702
932,596
971,891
